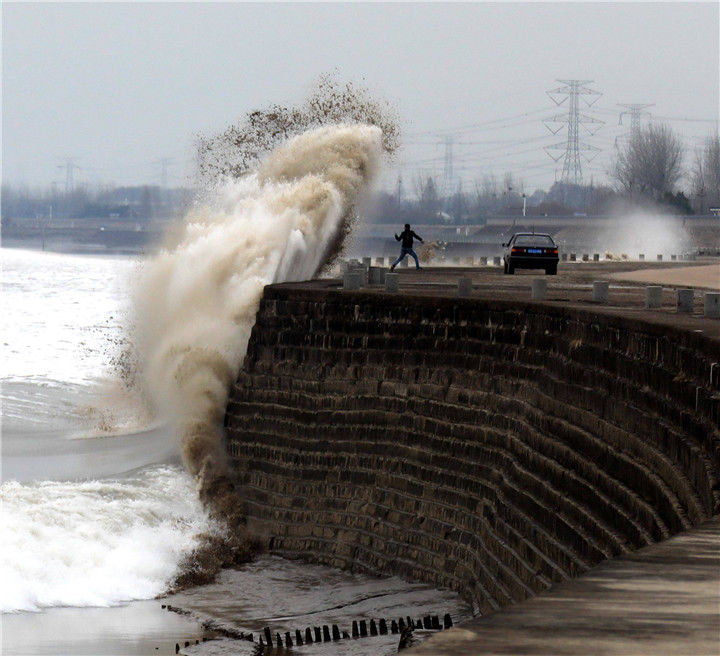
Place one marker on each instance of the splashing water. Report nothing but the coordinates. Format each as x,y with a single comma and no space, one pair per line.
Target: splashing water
198,297
95,543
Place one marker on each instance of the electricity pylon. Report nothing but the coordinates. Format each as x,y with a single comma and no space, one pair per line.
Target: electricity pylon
572,90
636,111
164,163
69,167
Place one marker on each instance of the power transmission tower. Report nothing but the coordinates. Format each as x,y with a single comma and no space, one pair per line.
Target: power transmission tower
571,91
399,190
164,163
69,167
636,112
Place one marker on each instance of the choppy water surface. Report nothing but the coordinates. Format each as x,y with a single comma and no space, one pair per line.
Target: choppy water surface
60,313
96,510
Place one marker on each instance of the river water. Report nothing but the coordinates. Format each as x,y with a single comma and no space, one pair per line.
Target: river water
98,512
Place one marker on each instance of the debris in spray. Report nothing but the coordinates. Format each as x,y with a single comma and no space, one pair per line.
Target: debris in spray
239,148
432,251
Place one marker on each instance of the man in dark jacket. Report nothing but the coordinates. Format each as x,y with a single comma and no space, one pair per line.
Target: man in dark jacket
406,237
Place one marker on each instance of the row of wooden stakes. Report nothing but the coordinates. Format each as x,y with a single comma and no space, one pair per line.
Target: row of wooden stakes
360,629
327,633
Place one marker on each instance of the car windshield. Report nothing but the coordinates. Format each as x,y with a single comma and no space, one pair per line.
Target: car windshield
533,240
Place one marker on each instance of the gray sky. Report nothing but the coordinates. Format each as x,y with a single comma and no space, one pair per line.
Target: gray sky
119,86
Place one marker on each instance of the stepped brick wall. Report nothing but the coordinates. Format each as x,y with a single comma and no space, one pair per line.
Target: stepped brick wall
491,447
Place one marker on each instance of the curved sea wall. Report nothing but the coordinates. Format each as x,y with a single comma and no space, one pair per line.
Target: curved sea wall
493,447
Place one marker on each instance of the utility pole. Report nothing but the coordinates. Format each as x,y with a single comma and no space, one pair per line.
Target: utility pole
570,92
399,190
448,170
636,111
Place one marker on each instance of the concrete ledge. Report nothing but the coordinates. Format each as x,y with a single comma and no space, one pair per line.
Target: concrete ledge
662,600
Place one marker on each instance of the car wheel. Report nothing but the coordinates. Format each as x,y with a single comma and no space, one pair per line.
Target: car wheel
505,267
511,269
551,270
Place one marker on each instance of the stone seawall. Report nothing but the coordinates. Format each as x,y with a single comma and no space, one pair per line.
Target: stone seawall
493,447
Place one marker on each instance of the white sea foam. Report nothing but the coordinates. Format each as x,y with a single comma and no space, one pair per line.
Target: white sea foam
95,543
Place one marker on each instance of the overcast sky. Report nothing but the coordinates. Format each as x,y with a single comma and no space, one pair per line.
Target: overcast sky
119,86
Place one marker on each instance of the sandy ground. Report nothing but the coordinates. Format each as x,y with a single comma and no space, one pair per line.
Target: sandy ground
663,600
701,277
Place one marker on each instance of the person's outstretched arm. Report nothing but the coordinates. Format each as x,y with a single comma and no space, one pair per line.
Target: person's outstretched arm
396,237
419,238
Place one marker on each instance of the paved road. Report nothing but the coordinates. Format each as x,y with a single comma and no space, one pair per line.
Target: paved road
663,600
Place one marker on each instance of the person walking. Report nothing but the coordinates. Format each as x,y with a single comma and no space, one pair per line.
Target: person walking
406,237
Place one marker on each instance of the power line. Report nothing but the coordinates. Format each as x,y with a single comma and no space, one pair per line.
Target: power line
506,146
473,126
689,120
501,142
496,156
605,110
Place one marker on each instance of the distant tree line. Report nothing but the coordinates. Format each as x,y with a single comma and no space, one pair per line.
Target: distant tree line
651,170
138,203
487,199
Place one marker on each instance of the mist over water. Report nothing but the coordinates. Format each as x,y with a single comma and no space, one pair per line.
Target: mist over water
646,233
628,233
197,298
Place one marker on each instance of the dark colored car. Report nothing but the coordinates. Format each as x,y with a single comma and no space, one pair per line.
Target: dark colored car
531,251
